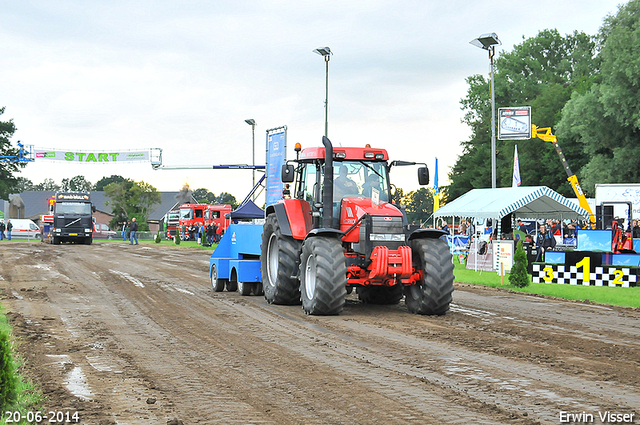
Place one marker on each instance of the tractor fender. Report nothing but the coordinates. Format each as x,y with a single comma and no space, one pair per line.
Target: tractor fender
326,232
294,217
427,234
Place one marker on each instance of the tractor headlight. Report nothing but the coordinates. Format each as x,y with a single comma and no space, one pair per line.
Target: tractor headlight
88,230
387,237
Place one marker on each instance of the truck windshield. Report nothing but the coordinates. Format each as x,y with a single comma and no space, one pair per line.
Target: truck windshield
73,208
173,216
186,213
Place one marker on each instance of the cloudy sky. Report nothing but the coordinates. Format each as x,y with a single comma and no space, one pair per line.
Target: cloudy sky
183,76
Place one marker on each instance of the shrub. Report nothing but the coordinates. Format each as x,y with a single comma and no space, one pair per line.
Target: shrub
8,380
176,240
519,276
158,239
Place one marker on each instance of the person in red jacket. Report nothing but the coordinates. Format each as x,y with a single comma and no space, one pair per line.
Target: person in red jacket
219,233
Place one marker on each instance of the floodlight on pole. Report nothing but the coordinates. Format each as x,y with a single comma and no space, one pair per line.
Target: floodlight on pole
489,42
252,123
326,52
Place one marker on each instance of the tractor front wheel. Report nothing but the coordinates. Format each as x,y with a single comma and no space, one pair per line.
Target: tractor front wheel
279,256
432,295
323,276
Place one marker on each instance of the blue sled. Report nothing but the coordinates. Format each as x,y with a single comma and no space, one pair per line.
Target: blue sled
235,263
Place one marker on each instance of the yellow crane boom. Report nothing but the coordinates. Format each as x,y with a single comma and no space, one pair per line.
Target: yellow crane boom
546,135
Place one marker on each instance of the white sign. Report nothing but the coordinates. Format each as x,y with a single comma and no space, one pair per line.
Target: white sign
95,157
514,123
503,255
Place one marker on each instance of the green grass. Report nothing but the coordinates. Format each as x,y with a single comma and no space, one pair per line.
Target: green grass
623,297
29,398
183,244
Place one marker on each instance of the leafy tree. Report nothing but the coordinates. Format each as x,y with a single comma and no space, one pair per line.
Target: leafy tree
419,205
24,184
605,120
100,184
47,184
204,196
76,184
227,198
8,182
130,199
541,72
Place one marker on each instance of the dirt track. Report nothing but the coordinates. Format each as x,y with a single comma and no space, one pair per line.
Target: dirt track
134,335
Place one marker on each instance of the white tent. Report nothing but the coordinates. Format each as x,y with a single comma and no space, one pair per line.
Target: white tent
530,202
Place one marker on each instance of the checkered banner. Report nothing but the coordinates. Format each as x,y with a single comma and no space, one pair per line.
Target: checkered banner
601,276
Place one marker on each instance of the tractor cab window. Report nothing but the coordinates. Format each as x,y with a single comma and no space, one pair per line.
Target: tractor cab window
310,183
360,178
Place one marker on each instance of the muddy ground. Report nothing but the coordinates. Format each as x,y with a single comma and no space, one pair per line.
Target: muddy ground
134,335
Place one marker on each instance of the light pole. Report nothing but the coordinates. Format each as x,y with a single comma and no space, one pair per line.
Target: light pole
488,42
252,123
326,52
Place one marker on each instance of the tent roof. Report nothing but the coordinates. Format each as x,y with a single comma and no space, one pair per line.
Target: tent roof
531,202
246,210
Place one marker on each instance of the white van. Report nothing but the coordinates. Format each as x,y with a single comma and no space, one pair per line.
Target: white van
23,228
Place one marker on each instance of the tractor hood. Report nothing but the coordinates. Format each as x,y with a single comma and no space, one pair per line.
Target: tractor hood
355,207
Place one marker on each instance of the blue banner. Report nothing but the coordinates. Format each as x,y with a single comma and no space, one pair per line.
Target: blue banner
276,149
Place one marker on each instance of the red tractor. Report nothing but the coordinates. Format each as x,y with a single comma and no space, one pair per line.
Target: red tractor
339,230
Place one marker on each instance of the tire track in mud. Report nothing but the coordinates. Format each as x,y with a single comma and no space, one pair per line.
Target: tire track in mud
222,358
387,386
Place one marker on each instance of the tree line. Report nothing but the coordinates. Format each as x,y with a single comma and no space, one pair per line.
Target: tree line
584,87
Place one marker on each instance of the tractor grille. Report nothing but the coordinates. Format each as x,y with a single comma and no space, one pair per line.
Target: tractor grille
386,231
380,231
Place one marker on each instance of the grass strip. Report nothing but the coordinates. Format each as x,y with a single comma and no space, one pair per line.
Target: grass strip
615,296
28,397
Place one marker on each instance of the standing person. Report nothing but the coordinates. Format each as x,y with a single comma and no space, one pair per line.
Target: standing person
545,242
125,226
219,233
184,231
635,229
2,227
9,227
133,229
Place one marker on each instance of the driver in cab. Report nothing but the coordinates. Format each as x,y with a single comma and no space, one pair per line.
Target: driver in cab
343,185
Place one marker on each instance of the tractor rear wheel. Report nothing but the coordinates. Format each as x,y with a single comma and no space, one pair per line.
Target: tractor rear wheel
279,256
382,295
323,276
432,295
216,284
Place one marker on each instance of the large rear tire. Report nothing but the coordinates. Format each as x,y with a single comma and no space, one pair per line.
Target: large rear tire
279,257
323,276
432,295
382,295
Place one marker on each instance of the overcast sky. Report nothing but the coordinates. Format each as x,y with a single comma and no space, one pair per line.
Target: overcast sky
183,76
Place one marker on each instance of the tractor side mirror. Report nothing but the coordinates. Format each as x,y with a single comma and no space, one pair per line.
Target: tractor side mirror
423,176
287,173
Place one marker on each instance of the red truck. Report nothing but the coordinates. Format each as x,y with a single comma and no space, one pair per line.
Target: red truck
198,214
171,219
215,214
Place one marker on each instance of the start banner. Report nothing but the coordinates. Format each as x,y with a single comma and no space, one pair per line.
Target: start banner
92,157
